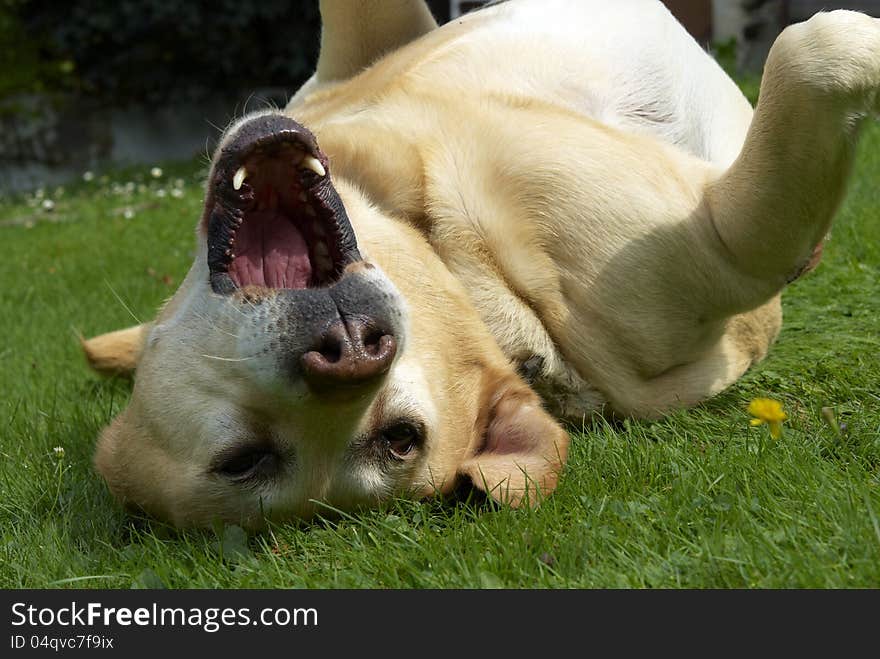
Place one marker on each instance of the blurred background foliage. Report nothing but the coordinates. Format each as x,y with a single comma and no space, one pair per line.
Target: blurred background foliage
136,51
92,84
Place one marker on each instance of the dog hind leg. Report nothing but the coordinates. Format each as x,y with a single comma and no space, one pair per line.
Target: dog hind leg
775,204
763,218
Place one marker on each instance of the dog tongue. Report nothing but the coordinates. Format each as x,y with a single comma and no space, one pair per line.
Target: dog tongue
270,251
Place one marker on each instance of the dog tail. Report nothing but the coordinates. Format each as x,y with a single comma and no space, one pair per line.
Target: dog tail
116,353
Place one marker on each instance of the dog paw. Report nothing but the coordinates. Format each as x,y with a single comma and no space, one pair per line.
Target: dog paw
834,55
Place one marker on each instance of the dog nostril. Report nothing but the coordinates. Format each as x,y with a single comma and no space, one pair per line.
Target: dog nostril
332,344
350,352
373,341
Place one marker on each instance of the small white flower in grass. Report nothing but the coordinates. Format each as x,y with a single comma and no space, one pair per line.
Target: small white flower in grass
128,213
177,193
156,172
48,205
58,451
161,193
88,177
178,183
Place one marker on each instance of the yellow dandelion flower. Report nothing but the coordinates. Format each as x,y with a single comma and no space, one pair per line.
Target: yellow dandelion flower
769,411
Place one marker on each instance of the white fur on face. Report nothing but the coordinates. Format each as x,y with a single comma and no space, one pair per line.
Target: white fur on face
211,379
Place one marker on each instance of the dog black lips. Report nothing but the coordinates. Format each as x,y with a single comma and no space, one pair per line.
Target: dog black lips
272,216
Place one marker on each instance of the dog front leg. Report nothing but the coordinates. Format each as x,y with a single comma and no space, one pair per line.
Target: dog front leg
774,205
354,34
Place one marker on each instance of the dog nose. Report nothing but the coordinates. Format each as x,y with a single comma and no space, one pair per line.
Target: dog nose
351,352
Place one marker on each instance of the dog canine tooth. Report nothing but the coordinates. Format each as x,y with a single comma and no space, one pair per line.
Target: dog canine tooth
239,178
310,162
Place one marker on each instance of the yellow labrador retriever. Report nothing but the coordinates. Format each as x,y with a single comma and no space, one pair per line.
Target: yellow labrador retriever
569,189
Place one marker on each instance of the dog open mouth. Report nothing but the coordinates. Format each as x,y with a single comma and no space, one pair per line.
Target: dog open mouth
273,218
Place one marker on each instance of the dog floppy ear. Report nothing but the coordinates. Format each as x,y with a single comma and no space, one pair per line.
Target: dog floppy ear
138,472
110,455
522,449
116,352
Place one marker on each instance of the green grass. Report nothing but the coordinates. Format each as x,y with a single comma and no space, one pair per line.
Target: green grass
698,499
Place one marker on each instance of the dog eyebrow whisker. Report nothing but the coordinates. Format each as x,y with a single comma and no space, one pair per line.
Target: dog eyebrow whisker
215,327
212,326
235,304
122,302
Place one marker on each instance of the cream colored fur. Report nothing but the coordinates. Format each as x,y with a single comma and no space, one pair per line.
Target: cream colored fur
629,256
583,184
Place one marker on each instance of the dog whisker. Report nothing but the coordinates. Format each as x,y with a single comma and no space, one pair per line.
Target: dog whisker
229,359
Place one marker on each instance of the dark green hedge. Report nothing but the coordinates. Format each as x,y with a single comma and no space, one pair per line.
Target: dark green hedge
152,50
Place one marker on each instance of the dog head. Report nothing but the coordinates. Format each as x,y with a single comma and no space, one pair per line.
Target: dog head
318,354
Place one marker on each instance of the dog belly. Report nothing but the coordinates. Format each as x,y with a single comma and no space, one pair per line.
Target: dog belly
628,64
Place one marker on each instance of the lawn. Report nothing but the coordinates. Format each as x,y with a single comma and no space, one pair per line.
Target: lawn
699,499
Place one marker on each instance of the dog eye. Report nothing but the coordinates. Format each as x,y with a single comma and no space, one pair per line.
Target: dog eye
402,437
248,463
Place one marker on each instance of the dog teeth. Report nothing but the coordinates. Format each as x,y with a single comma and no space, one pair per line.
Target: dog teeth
318,228
239,178
310,162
